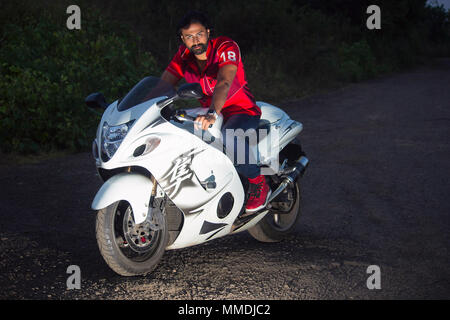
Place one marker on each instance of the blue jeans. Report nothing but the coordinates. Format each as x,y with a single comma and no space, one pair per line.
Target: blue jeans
249,169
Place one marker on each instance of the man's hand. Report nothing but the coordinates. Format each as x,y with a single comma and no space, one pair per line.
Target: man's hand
204,121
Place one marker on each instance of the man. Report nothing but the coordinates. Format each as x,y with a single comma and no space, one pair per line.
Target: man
216,64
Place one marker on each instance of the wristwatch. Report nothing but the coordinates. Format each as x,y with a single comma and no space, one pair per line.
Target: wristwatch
213,112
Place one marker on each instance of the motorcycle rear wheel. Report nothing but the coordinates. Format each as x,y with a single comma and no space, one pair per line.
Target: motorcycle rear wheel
276,226
128,249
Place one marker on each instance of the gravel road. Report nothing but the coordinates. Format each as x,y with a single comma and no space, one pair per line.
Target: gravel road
376,193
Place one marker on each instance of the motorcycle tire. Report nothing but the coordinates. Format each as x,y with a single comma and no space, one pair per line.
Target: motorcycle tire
119,255
275,227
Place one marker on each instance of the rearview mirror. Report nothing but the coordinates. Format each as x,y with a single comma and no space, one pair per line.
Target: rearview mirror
96,100
190,91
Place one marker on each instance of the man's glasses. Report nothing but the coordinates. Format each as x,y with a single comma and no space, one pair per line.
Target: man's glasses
197,36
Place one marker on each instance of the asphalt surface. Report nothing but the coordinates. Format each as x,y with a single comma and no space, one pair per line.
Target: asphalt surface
376,193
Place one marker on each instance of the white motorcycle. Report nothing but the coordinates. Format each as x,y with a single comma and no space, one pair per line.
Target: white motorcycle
169,186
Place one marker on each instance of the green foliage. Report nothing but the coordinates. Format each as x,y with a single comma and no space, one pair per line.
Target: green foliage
46,71
356,61
296,47
290,48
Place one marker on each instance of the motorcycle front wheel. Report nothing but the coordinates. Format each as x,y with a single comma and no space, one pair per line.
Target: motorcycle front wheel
127,248
282,217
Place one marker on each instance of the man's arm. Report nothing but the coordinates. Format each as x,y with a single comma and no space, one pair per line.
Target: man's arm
162,86
170,78
225,78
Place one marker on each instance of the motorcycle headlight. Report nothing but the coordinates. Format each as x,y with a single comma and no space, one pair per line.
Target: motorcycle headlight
112,137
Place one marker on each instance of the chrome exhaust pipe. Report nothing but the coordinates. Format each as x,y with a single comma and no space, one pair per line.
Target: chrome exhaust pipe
299,170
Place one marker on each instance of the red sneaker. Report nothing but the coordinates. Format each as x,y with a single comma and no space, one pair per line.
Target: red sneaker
259,193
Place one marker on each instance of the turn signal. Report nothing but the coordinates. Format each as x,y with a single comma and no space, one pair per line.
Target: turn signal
151,144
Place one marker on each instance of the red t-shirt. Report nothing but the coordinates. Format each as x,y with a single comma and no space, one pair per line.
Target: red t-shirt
221,51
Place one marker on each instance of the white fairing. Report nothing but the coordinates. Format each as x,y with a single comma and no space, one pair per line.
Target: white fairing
286,128
179,163
282,130
133,187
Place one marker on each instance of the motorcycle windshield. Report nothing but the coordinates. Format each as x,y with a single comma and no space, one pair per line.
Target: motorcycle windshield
146,89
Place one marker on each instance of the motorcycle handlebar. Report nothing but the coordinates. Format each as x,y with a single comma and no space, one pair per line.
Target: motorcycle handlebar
182,116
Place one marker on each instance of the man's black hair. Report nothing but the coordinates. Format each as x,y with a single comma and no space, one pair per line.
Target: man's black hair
192,17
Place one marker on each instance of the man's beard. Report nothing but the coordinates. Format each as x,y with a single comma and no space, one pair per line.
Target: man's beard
199,48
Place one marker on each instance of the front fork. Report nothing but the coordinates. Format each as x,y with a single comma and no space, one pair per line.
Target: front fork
154,221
